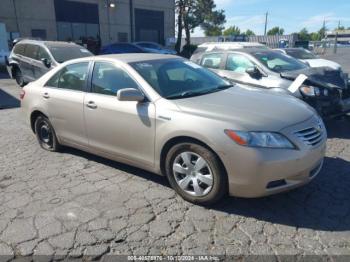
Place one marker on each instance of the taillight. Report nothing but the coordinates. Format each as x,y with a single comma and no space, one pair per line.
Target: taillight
22,94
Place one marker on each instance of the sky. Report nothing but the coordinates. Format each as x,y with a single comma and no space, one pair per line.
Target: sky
292,15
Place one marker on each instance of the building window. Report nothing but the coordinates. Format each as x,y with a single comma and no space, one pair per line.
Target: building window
123,37
64,31
149,25
39,33
78,22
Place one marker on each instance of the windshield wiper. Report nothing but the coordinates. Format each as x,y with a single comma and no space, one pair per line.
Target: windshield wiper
191,93
185,94
216,89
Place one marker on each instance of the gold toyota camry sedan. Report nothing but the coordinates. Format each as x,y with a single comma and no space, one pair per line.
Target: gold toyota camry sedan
172,117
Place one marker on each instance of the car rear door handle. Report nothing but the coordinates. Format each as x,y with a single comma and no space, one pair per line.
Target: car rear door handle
46,95
91,104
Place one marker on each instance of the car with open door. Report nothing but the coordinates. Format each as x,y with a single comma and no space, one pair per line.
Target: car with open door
175,118
30,59
323,88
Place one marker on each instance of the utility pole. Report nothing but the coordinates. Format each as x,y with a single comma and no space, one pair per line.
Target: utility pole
324,28
266,15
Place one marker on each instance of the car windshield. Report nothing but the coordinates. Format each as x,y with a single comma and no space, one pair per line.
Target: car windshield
301,54
65,53
278,62
177,78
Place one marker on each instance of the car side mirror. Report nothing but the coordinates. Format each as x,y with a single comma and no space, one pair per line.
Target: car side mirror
254,72
46,62
130,94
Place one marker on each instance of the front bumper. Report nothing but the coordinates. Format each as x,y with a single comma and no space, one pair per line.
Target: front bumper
257,172
337,103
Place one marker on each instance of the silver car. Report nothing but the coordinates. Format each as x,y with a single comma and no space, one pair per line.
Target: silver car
325,89
172,117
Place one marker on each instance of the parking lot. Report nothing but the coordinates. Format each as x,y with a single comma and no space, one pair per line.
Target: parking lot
73,203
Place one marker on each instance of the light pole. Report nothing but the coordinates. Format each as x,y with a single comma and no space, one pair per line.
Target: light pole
15,10
110,4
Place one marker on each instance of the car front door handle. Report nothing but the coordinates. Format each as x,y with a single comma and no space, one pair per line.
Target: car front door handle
91,104
46,95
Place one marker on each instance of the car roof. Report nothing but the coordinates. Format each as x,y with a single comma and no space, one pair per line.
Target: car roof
294,48
231,45
47,43
120,43
145,42
129,58
242,50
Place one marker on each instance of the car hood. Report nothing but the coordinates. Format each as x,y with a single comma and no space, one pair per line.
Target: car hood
319,76
319,62
249,108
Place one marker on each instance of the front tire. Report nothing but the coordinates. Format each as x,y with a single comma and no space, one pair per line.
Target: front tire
196,173
45,134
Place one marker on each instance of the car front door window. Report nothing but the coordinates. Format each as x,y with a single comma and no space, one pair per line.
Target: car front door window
120,128
238,63
42,54
107,79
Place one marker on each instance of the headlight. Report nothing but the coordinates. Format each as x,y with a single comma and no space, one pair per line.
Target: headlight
260,139
310,90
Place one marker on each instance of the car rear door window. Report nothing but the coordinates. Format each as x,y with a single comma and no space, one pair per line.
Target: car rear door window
72,77
212,60
238,63
107,79
31,51
19,49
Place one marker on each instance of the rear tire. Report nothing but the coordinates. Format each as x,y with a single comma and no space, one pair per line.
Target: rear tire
19,77
45,134
196,173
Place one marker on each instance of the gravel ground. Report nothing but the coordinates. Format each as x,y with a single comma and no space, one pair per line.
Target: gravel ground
71,204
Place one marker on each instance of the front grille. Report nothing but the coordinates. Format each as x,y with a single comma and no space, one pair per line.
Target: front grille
311,136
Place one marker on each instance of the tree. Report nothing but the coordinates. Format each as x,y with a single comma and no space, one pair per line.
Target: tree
194,13
249,33
179,4
340,28
322,32
304,35
275,31
213,31
214,21
232,30
315,36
